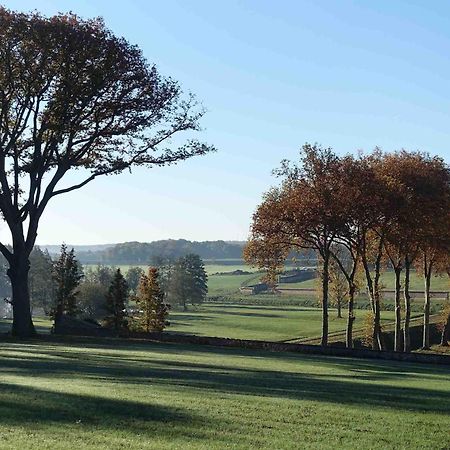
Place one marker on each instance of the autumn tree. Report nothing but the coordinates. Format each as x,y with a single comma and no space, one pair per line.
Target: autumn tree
338,288
434,244
153,311
358,209
115,304
75,96
419,187
303,213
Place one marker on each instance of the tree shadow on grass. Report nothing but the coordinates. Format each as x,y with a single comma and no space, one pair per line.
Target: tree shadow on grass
176,317
225,306
21,404
365,384
393,369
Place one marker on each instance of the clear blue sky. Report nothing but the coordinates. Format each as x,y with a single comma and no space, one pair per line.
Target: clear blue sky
273,75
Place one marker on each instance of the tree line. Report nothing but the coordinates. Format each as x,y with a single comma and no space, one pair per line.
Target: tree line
142,252
136,300
360,214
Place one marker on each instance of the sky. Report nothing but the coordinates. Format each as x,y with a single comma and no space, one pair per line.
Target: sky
272,75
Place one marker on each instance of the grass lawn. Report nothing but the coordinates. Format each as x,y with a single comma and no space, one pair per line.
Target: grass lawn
130,395
269,323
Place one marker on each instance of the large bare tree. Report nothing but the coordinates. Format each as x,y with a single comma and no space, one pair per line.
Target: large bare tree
75,96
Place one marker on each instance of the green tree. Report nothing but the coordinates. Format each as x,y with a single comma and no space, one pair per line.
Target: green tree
153,311
116,300
133,277
41,283
91,299
189,281
93,290
67,274
74,96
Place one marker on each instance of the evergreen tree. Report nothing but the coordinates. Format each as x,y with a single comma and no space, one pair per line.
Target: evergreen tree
197,279
153,312
116,300
67,274
132,277
41,283
189,281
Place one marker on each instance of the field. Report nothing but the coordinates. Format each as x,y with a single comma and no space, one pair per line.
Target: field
387,281
270,323
118,394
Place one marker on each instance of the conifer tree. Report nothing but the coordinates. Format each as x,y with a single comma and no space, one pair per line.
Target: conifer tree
153,312
67,274
116,299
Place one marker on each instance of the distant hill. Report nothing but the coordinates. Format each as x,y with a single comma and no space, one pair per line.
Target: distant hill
221,252
144,252
54,249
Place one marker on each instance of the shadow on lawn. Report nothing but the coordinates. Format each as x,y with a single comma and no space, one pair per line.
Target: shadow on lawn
20,404
224,306
364,384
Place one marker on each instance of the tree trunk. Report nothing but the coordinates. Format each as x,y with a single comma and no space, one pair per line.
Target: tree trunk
373,287
325,281
407,296
445,332
351,318
377,342
398,313
427,305
339,308
18,274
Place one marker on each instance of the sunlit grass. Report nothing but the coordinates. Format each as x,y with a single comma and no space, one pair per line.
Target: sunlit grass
117,394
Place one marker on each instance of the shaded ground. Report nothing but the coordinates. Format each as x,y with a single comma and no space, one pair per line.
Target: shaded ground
122,394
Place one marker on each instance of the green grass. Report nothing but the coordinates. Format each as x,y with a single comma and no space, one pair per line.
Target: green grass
211,268
120,394
268,323
388,281
230,284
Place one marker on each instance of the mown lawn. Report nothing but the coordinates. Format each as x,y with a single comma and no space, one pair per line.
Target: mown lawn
271,323
122,394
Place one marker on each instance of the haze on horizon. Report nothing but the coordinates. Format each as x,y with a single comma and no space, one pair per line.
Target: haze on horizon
347,75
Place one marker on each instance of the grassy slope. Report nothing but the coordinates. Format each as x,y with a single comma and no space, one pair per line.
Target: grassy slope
269,323
140,395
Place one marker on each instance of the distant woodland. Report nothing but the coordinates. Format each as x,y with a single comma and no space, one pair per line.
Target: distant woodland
146,252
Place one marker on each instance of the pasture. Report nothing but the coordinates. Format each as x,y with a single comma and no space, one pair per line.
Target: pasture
269,323
110,394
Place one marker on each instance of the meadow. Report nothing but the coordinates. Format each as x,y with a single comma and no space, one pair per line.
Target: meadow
111,394
270,323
